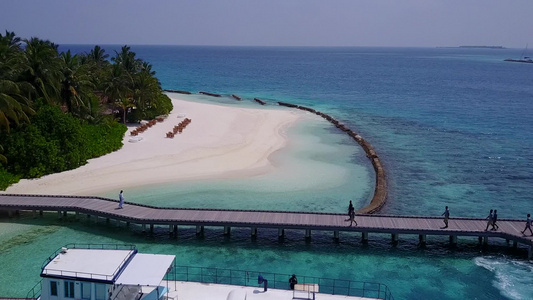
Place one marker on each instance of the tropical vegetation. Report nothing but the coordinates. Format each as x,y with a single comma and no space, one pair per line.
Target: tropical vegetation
59,109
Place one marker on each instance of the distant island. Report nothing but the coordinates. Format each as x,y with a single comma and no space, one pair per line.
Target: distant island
489,47
477,47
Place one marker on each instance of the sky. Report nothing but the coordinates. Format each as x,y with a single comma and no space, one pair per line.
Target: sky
379,23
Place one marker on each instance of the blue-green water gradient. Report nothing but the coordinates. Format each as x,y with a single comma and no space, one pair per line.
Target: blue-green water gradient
452,127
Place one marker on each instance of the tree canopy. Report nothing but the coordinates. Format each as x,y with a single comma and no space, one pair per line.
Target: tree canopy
55,107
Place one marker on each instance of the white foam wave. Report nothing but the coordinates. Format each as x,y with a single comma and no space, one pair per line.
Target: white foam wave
512,277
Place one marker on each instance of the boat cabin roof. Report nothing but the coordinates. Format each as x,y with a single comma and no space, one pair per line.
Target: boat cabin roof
92,264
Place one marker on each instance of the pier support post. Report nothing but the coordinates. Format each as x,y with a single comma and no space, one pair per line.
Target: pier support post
127,224
515,245
336,235
144,227
77,215
227,230
453,240
64,213
308,233
507,242
199,229
530,252
394,238
34,214
58,214
480,240
254,231
422,239
151,228
170,229
364,237
40,213
281,232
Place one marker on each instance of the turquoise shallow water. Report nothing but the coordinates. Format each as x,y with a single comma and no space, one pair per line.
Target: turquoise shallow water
452,127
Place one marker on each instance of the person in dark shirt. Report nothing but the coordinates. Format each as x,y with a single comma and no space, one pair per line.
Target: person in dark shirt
293,281
494,219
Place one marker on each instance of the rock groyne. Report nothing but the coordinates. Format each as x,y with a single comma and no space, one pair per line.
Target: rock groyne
178,91
210,94
260,101
380,190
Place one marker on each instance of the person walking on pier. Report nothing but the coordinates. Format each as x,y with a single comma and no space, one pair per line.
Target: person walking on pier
490,218
494,219
350,209
121,199
446,215
352,218
528,225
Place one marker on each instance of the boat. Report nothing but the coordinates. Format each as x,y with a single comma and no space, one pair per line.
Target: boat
522,59
120,272
102,272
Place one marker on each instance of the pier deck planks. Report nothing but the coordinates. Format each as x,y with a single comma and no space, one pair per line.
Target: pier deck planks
509,229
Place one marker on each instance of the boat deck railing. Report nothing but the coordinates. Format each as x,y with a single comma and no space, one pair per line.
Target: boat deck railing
279,281
35,291
83,274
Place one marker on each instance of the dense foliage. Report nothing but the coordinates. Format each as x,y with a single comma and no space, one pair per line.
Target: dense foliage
57,109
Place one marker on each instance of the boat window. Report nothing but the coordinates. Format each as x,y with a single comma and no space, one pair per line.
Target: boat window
69,289
86,290
100,292
53,288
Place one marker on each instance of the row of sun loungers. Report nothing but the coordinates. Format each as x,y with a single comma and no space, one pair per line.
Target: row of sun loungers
179,128
144,127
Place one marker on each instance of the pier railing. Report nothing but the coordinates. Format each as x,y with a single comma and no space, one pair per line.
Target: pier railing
279,281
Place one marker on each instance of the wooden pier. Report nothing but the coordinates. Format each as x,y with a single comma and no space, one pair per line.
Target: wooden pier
97,207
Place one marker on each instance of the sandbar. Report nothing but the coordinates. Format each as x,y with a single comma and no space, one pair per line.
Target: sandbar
221,142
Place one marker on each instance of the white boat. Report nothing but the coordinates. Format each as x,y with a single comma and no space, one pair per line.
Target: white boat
119,273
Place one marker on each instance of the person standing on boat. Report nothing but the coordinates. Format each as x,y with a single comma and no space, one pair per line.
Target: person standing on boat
293,281
528,225
446,215
490,218
121,199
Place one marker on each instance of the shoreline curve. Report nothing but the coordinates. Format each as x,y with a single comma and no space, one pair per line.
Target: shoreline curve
380,190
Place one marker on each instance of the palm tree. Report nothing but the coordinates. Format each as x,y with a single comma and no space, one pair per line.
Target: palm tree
118,88
75,85
15,95
146,90
43,69
98,56
126,59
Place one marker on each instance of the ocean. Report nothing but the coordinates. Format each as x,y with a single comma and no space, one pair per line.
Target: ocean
451,125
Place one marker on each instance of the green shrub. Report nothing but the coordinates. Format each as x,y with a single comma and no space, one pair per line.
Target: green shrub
7,179
56,142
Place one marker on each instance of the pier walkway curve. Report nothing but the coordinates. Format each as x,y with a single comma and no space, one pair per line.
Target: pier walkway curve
98,207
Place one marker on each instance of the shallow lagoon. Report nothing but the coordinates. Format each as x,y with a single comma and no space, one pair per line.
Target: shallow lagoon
452,126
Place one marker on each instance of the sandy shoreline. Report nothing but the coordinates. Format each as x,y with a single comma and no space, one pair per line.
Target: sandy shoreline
220,142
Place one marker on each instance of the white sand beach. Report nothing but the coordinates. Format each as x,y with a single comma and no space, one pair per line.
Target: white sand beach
220,142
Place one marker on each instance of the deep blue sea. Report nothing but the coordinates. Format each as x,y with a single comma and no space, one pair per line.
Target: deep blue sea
451,125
